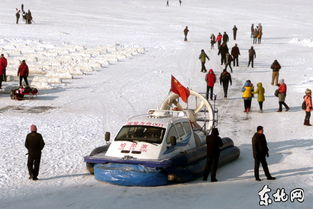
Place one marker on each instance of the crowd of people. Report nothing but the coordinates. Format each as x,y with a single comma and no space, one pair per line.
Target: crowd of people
259,144
232,59
27,16
168,3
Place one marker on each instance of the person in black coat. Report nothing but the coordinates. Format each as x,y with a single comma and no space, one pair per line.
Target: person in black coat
225,79
223,50
252,56
22,8
229,59
225,38
260,151
235,52
235,32
34,143
186,30
214,142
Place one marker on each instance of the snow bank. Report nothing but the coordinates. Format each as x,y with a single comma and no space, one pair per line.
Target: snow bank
49,63
304,42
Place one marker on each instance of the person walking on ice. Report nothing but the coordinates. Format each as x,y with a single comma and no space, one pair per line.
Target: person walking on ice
225,80
307,106
212,38
203,56
252,30
34,144
235,52
23,72
228,62
18,15
282,93
247,94
214,142
235,32
252,56
260,151
223,50
3,69
261,98
219,40
275,74
210,78
186,31
225,38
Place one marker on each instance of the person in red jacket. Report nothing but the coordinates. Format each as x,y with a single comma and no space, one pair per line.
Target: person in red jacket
3,66
282,92
219,39
308,107
210,78
23,72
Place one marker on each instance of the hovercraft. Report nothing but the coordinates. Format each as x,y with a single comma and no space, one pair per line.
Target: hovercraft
165,146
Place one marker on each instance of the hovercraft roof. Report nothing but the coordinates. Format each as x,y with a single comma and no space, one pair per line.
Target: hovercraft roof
158,118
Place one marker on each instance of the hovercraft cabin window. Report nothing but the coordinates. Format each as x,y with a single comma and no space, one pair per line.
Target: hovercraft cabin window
171,132
187,127
180,129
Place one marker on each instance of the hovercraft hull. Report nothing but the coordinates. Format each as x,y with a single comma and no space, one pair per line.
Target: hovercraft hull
183,168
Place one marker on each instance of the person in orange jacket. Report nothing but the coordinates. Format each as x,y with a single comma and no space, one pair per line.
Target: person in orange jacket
282,92
308,107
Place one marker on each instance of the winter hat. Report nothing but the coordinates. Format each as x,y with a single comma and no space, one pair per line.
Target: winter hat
259,128
210,71
281,81
33,128
308,91
247,83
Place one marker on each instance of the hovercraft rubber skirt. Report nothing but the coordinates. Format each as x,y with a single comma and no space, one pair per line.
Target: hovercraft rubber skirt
130,174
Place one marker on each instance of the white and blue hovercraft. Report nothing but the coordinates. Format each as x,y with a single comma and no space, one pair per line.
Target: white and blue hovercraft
165,146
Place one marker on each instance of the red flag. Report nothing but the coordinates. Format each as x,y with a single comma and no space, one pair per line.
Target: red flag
179,89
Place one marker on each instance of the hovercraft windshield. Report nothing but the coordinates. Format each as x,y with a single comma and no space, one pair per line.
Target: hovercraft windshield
147,134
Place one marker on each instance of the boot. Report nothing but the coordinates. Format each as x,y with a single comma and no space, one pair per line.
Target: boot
271,178
307,123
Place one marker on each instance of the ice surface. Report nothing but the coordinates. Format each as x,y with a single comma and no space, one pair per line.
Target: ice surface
94,42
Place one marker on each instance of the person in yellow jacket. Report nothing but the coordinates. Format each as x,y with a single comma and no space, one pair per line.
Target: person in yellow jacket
247,95
260,92
202,57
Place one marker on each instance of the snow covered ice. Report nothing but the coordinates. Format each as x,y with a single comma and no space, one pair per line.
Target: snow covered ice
77,104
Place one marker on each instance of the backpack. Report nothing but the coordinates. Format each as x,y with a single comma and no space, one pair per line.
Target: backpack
303,106
276,93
